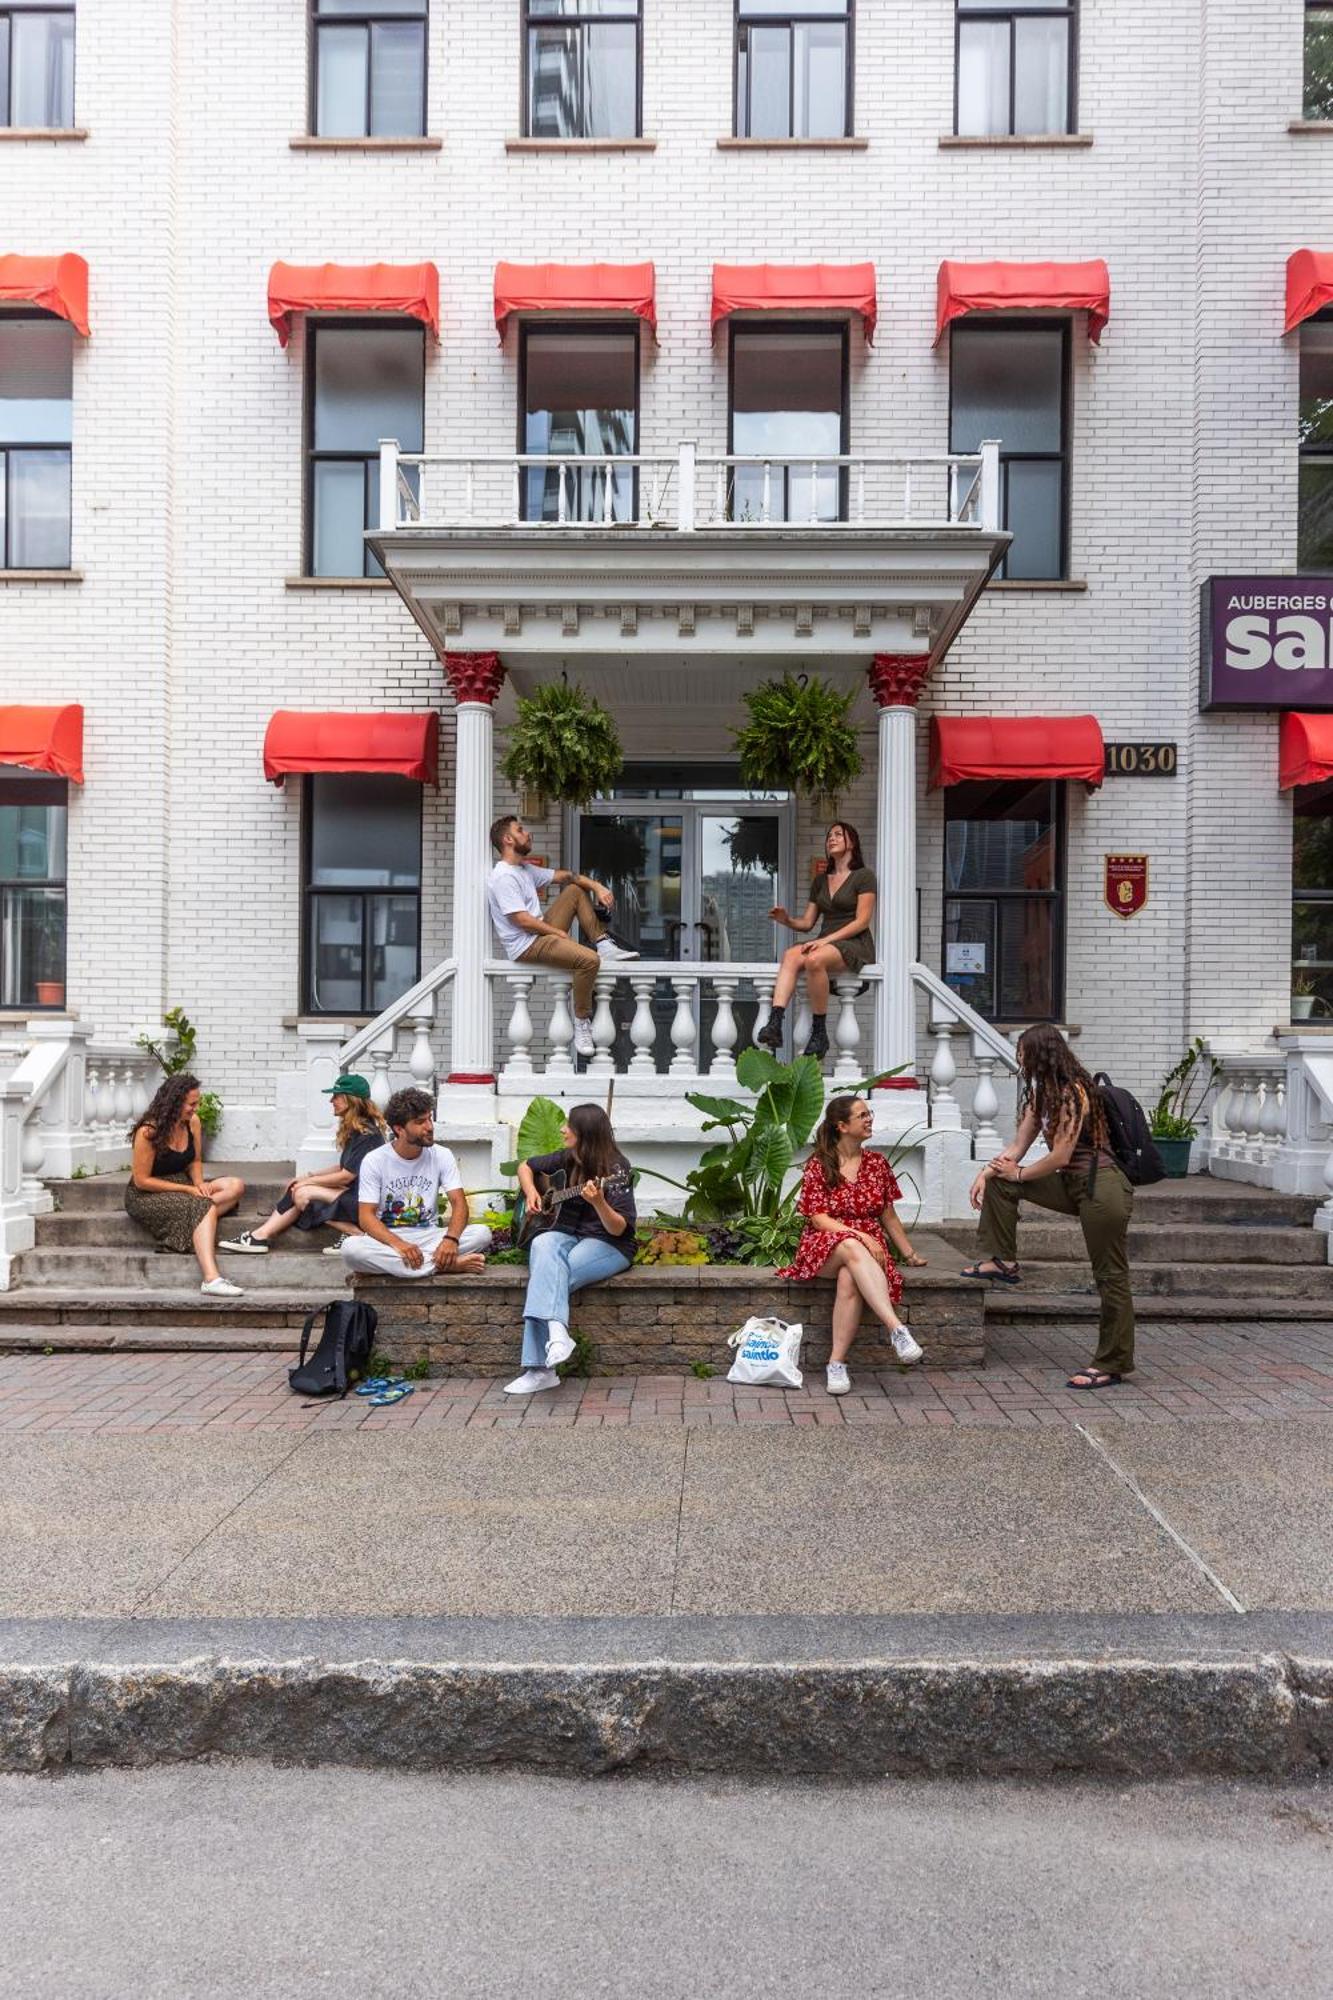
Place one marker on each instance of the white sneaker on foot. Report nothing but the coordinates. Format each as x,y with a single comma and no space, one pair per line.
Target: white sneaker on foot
247,1244
333,1249
220,1288
608,949
531,1380
837,1380
904,1346
559,1345
584,1045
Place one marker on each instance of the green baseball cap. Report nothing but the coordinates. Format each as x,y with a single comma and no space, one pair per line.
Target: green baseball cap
348,1086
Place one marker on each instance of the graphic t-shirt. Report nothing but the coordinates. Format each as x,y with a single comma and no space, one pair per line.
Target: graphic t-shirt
407,1193
510,886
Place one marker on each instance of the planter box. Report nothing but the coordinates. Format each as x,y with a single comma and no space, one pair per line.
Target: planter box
1175,1156
658,1320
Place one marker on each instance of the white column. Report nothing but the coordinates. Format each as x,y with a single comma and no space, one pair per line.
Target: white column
896,682
475,679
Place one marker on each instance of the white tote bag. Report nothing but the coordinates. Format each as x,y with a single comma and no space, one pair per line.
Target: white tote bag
768,1351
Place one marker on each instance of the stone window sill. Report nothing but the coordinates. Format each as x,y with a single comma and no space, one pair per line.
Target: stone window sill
336,583
353,1021
1014,142
54,134
1310,128
308,143
580,145
848,145
1049,584
41,576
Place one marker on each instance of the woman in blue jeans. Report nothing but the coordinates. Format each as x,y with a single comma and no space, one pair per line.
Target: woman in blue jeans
591,1236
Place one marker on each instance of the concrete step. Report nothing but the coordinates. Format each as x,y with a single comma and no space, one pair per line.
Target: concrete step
1048,1238
78,1337
1016,1309
1073,1277
111,1228
1202,1199
264,1182
160,1271
144,1309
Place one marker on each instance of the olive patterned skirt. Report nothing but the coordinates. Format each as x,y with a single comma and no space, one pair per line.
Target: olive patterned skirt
166,1216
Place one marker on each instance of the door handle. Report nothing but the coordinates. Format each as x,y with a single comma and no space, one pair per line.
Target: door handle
709,928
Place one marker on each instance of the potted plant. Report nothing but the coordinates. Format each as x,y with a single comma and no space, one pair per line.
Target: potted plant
798,739
1303,996
176,1052
562,746
1174,1121
49,985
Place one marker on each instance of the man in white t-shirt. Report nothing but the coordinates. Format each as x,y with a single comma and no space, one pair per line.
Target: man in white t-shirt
513,896
404,1191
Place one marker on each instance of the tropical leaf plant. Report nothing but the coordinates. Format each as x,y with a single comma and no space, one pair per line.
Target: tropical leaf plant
798,737
562,745
540,1130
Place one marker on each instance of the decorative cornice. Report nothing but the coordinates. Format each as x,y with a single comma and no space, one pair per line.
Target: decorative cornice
896,679
473,676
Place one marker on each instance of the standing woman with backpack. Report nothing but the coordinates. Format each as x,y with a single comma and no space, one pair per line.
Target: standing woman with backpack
1079,1175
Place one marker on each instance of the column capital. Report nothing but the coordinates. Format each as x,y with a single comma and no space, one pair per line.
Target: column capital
896,679
473,676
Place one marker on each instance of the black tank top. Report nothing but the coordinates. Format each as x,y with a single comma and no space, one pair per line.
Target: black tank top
173,1159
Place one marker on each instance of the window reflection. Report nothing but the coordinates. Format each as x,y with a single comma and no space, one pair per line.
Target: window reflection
787,407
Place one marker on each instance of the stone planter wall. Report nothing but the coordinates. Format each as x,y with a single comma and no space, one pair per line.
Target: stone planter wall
655,1319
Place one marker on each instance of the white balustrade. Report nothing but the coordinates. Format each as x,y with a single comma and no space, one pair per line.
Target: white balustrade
683,1028
945,1110
421,1062
990,1049
643,1028
560,1031
986,1140
1247,1120
847,1033
603,1027
381,1055
725,1033
518,1033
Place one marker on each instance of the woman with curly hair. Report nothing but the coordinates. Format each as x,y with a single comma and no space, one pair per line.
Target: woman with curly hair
167,1193
1078,1175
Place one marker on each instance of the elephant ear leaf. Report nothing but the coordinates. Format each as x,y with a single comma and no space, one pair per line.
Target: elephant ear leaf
756,1068
724,1109
541,1128
807,1098
772,1156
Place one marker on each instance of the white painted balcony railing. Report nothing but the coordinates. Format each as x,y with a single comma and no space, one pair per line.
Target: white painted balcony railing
949,1016
1247,1120
684,492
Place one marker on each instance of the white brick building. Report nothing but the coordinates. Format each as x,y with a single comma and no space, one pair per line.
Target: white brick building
188,614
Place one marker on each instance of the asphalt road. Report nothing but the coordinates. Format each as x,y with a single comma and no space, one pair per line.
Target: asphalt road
253,1882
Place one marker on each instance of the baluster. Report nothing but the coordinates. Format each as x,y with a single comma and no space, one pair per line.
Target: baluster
985,1107
560,1031
123,1102
32,1154
604,1027
848,1031
519,1030
381,1055
764,505
106,1106
1273,1117
421,1062
608,496
562,496
723,1065
92,1098
945,1110
1235,1116
1250,1151
643,1028
683,1032
802,1025
140,1096
763,1008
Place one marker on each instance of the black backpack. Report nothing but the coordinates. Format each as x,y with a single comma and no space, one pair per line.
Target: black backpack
344,1348
1127,1134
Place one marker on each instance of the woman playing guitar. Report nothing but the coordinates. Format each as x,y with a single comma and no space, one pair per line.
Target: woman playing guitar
591,1236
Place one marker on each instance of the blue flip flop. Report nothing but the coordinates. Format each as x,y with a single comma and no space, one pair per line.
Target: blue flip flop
375,1384
394,1394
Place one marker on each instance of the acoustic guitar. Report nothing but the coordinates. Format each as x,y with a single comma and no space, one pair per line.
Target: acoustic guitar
554,1189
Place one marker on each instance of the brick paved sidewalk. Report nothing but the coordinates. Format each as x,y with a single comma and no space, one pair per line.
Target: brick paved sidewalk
1187,1374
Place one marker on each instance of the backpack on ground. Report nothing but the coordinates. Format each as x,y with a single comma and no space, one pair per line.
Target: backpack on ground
1127,1135
344,1348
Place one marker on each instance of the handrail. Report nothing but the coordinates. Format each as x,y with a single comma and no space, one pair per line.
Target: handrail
665,968
981,1030
398,1010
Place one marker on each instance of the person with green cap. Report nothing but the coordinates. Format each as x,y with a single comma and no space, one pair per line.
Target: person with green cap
327,1199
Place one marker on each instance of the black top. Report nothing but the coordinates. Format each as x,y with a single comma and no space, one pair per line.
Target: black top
839,909
577,1217
356,1150
172,1159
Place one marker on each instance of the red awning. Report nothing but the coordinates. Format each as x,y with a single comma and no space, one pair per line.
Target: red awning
969,288
1015,746
1309,285
407,745
1305,750
44,739
795,288
410,289
627,289
56,284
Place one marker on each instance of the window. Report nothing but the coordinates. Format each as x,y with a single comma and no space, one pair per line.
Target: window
789,409
1312,903
362,892
1314,533
584,67
793,69
1011,382
36,64
1003,898
1015,68
579,398
36,423
32,889
1318,60
369,79
363,382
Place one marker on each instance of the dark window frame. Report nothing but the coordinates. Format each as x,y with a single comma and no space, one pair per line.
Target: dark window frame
1056,896
1318,453
29,444
38,791
368,17
602,329
311,895
982,323
796,18
776,330
315,326
632,11
6,35
1311,7
1011,11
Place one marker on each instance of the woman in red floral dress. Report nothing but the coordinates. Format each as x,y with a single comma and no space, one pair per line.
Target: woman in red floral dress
847,1198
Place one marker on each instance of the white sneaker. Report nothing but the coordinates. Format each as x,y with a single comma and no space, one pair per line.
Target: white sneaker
246,1244
607,948
584,1045
559,1346
531,1380
904,1346
837,1380
220,1288
332,1249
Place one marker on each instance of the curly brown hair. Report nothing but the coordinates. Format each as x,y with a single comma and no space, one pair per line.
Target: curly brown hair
164,1113
1056,1085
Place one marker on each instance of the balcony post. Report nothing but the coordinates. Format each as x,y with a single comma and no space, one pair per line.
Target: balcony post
475,679
388,484
990,484
896,681
685,470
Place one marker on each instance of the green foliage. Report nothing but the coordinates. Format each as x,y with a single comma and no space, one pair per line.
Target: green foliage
418,1370
583,1361
701,1371
671,1246
177,1054
562,744
1184,1091
741,1180
539,1132
798,737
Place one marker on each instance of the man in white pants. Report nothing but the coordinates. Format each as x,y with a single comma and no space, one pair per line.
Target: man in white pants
402,1190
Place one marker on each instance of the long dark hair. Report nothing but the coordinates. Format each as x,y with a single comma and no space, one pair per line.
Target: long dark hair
164,1113
1056,1085
837,1112
853,839
596,1154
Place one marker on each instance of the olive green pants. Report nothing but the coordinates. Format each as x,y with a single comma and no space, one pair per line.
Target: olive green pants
1103,1217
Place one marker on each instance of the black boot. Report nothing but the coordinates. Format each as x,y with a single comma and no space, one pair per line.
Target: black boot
818,1042
770,1035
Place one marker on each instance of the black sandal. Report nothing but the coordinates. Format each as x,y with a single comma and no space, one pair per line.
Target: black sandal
1003,1274
1093,1378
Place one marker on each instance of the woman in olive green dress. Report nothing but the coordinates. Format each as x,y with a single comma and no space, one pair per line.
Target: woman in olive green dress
842,903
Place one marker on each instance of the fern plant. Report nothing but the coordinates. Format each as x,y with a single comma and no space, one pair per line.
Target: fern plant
798,737
563,745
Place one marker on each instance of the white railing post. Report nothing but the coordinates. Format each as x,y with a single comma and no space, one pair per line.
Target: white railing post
723,1065
519,1031
382,1052
388,484
685,499
847,1034
985,1106
643,1028
421,1061
683,1030
945,1110
990,485
17,1230
603,1027
560,1031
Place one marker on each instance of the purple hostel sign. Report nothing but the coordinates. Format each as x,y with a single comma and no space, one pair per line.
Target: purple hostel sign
1266,642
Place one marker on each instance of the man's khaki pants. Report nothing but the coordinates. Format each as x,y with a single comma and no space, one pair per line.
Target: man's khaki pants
577,959
1104,1217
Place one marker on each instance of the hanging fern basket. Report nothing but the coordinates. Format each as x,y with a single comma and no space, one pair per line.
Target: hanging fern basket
798,739
563,746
